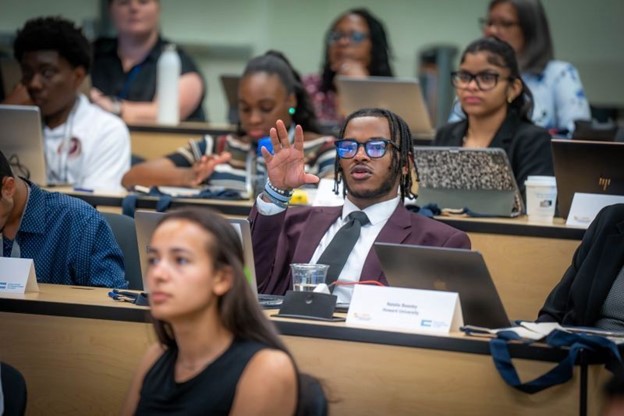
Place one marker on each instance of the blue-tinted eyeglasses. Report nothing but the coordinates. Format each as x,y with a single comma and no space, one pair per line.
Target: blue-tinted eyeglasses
352,37
348,148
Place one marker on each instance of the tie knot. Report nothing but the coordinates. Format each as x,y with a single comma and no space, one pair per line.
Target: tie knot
359,216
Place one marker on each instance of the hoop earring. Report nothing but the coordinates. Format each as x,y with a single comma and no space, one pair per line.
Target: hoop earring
292,111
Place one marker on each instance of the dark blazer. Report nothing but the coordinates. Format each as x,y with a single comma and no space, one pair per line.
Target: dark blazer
293,235
578,297
527,145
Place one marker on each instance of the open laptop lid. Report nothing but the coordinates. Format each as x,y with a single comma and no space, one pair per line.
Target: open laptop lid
478,179
451,270
21,141
589,167
146,221
402,96
229,84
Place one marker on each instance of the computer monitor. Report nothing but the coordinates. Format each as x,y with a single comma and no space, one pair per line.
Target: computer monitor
402,96
21,141
587,167
450,270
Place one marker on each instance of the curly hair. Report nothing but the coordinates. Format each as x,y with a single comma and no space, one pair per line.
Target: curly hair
400,134
275,62
380,50
57,34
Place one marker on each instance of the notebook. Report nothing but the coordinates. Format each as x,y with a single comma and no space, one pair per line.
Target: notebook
478,179
402,96
587,167
229,84
451,270
146,221
21,141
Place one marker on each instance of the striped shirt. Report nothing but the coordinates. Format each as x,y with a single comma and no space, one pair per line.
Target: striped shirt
319,154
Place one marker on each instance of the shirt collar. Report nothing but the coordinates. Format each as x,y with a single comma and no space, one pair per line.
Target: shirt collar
376,213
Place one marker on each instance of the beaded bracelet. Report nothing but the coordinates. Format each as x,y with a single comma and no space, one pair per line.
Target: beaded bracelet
277,194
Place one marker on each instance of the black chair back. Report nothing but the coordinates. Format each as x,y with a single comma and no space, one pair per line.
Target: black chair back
14,390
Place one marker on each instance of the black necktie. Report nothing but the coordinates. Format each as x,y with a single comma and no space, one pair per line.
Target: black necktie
339,248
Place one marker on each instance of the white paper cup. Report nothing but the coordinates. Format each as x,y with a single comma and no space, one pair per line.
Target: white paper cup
541,198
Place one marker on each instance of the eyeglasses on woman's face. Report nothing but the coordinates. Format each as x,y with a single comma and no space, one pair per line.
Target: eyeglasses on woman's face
486,80
352,37
375,149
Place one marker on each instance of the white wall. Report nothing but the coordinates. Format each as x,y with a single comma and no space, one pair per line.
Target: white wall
588,33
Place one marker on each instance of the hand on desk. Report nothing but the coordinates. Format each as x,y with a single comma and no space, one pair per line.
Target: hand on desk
286,166
203,168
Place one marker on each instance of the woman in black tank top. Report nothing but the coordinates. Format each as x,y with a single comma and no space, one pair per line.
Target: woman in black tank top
217,353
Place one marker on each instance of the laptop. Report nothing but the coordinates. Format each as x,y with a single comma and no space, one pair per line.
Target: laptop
451,270
402,96
480,180
229,84
587,167
21,141
145,223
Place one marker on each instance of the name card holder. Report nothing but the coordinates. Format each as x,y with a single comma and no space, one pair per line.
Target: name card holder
309,305
17,275
585,207
405,310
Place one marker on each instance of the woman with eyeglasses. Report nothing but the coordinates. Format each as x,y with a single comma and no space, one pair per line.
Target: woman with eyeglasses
356,45
559,97
497,105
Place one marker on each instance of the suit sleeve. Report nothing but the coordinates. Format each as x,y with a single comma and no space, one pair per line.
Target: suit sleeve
458,239
557,302
534,156
266,231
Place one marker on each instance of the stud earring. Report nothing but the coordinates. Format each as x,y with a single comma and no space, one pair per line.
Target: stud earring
291,111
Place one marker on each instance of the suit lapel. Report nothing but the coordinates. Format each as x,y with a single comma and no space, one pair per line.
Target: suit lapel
315,228
396,230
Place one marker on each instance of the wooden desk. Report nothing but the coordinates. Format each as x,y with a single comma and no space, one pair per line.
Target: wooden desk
523,258
151,141
78,350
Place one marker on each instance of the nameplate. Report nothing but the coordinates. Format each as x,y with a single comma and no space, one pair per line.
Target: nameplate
405,310
585,207
17,275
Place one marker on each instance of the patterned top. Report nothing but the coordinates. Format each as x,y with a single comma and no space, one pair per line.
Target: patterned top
69,241
612,313
559,98
325,103
320,154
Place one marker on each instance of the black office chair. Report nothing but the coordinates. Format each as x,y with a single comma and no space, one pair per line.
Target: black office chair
125,234
14,390
313,401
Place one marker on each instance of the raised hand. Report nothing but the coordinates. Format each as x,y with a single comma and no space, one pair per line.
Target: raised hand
285,166
203,168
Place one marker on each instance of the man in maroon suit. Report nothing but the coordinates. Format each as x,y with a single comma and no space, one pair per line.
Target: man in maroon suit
375,162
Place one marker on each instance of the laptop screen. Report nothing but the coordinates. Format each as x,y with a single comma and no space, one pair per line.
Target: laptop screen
21,141
146,221
446,269
587,167
399,95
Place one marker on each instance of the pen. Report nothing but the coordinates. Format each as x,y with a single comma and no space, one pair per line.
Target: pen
77,189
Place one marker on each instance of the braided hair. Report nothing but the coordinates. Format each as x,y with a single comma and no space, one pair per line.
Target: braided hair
399,134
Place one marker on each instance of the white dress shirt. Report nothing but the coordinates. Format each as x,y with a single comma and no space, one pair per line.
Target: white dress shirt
378,214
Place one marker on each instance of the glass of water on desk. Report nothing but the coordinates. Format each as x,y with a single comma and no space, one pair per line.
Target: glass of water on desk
307,276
